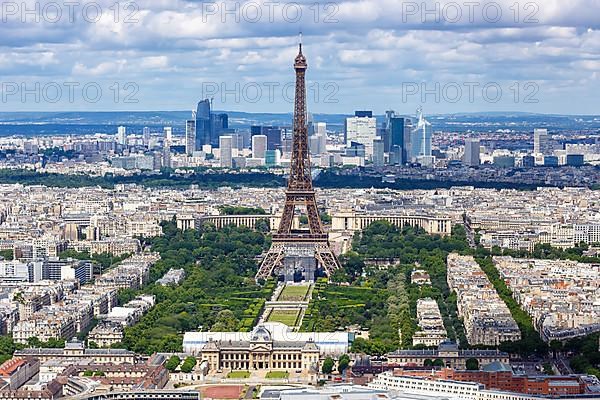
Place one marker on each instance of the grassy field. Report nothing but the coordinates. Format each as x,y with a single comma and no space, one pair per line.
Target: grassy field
238,375
348,303
293,293
277,375
288,317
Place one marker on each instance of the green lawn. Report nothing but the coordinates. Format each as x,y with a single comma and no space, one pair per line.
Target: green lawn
277,375
288,317
293,293
238,375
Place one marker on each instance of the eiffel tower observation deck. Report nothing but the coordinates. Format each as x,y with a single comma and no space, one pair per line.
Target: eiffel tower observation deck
299,250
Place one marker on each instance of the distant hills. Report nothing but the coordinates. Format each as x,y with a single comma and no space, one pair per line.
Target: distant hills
76,122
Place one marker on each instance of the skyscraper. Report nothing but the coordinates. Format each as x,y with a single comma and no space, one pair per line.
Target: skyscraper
256,130
167,155
317,138
386,133
472,149
397,140
273,134
407,145
378,152
122,135
421,140
226,151
528,161
321,134
190,136
362,128
237,141
259,146
168,138
313,145
204,124
541,142
220,124
146,136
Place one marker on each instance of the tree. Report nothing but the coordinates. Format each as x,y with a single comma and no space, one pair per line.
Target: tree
325,218
343,362
548,370
8,347
353,264
188,365
173,363
6,254
339,276
237,210
262,225
33,341
54,343
438,362
556,346
328,364
225,322
472,364
360,345
428,362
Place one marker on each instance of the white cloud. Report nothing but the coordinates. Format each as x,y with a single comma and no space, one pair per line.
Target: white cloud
100,70
372,45
155,62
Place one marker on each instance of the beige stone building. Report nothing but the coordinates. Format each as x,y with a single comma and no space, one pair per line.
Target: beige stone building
261,353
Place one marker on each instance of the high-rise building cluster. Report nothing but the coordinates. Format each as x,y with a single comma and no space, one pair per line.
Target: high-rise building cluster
392,146
209,141
396,142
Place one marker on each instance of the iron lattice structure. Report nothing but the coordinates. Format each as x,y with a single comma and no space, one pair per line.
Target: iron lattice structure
299,192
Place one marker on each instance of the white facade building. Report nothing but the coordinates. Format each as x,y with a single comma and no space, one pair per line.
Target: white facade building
472,149
259,146
329,343
122,135
362,130
451,390
226,151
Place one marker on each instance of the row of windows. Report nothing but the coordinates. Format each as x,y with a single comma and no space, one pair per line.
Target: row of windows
275,356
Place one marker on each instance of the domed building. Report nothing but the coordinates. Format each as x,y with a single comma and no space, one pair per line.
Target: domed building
270,346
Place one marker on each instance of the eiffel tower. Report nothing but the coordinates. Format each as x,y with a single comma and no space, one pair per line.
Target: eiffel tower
311,243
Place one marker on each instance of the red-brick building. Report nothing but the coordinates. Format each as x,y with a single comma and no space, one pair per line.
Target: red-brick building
501,377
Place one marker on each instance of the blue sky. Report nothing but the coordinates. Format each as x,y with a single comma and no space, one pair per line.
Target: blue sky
448,56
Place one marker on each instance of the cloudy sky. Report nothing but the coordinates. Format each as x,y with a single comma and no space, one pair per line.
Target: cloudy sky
448,56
